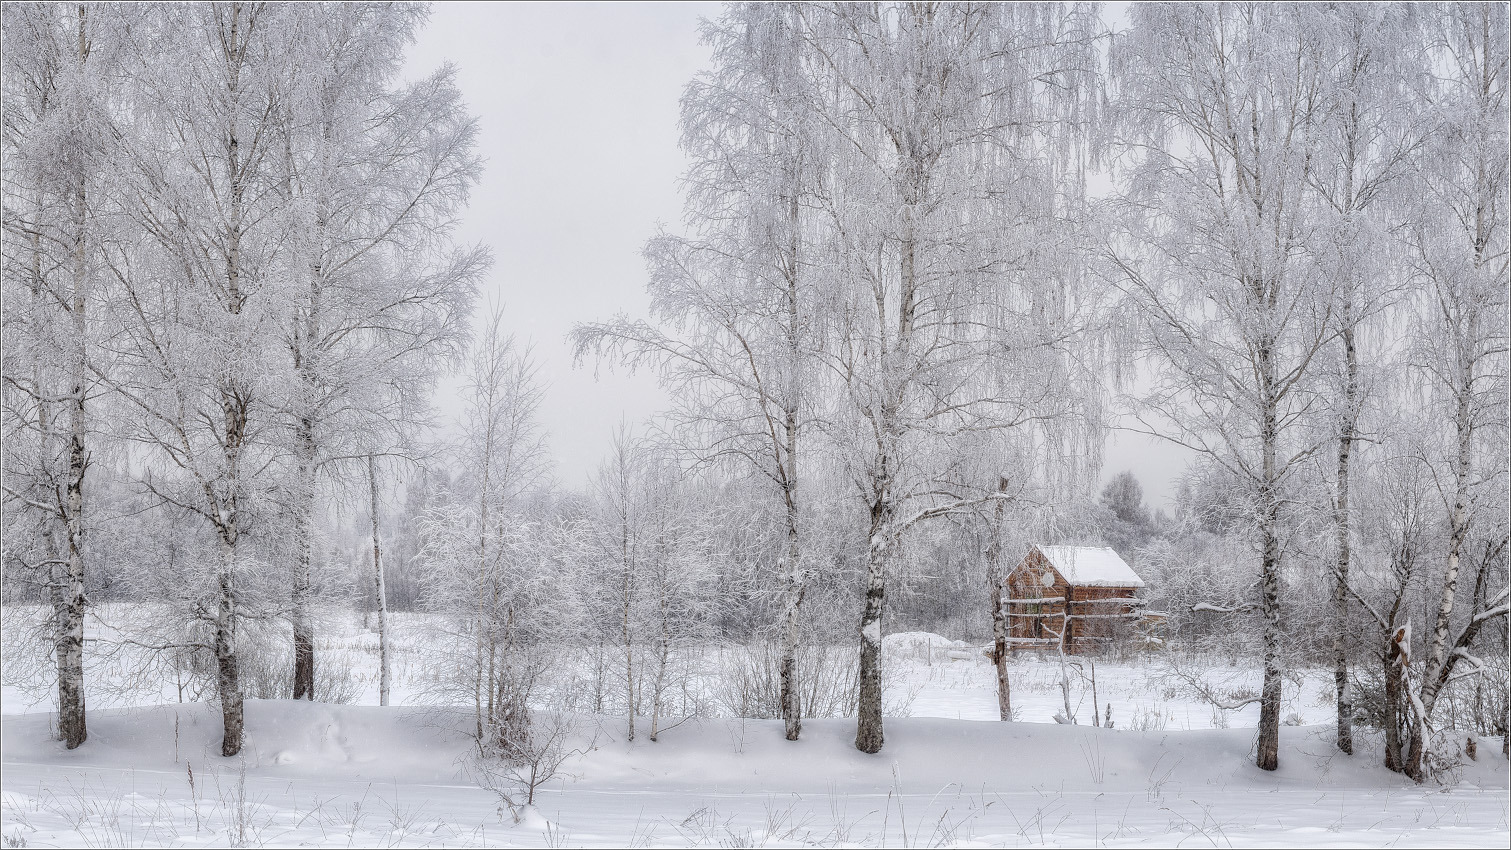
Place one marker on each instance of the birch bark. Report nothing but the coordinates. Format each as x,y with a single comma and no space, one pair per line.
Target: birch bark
380,588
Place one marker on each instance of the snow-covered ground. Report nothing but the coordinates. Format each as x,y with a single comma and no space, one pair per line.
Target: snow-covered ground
943,678
364,776
950,775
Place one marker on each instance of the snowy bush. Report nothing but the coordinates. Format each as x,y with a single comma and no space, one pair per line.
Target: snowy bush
747,682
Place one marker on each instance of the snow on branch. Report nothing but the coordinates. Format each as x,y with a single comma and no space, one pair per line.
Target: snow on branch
1219,609
1498,606
1204,691
33,503
954,507
1476,666
1492,613
1475,663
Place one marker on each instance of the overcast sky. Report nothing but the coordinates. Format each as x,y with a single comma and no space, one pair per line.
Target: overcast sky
578,107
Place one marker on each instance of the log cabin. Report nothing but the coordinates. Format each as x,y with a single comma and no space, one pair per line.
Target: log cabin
1086,592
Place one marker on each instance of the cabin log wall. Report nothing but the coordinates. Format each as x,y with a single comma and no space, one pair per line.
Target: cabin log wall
1095,615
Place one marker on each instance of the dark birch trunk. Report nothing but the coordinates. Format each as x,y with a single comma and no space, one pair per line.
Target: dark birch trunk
794,575
868,730
306,357
70,610
228,668
1268,757
794,586
883,539
879,550
1349,424
1341,523
228,526
999,649
1396,717
1269,706
794,580
234,410
304,509
886,422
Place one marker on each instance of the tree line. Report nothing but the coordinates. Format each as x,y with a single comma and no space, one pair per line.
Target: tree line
229,265
931,253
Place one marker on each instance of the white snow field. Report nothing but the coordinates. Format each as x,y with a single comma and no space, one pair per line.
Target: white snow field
949,776
365,776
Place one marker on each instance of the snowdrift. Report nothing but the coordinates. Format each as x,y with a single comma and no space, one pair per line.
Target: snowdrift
369,776
926,647
295,739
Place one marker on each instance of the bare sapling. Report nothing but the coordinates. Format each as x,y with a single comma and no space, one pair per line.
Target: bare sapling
516,774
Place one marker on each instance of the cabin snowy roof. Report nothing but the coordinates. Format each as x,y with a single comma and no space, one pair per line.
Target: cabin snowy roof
1091,566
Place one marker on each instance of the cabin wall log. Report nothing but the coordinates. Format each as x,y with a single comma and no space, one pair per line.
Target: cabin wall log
1092,615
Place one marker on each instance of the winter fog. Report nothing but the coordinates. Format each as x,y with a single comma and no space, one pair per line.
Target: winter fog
755,424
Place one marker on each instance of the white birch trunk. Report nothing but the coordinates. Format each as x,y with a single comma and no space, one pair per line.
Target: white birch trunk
627,635
887,424
380,590
234,408
995,581
305,450
662,661
1458,531
795,577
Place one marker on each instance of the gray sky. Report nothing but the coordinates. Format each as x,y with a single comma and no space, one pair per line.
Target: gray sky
578,107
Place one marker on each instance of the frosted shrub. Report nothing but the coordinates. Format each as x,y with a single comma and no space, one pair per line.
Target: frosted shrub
749,684
536,756
507,727
1477,704
267,670
26,648
1147,720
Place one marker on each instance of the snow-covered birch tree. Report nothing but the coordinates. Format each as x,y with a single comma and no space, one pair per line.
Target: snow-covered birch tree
61,85
482,571
677,574
1214,106
375,172
1459,248
615,543
958,136
1368,135
200,298
733,302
